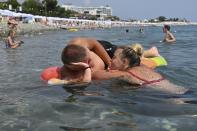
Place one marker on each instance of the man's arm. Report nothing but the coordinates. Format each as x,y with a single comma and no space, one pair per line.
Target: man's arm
87,76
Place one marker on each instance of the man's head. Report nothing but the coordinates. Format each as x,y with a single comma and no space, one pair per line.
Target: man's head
74,54
166,28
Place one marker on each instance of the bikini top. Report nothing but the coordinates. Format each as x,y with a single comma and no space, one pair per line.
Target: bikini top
146,82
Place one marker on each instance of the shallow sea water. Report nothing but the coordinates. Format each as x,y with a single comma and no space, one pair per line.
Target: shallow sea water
28,104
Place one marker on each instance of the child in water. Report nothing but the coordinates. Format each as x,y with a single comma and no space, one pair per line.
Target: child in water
10,42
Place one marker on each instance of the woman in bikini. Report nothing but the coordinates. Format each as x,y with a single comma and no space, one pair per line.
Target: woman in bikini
125,65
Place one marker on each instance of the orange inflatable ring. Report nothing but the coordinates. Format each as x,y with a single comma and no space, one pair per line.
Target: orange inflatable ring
51,72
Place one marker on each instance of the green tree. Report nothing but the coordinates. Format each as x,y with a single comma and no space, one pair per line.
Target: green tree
70,13
113,18
161,18
50,7
33,7
14,3
60,12
50,4
3,5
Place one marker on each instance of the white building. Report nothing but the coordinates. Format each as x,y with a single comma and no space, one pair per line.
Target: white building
102,11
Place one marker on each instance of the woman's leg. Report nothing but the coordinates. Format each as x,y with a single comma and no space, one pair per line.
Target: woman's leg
152,52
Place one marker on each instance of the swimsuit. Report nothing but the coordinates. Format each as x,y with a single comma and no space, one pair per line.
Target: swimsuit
109,48
146,82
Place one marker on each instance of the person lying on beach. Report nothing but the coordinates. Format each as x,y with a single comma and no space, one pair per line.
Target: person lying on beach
125,65
169,37
10,42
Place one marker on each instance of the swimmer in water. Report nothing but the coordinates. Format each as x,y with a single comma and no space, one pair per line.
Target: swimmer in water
125,65
169,37
141,30
10,42
80,60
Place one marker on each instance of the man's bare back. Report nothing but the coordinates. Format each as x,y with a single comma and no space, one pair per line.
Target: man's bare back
96,62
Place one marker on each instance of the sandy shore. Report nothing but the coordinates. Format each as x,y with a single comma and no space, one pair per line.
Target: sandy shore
24,28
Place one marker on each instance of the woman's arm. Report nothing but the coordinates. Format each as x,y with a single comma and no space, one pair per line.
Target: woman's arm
121,75
10,41
105,75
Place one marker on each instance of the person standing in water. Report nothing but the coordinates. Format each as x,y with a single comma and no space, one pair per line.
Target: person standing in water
169,37
10,42
1,28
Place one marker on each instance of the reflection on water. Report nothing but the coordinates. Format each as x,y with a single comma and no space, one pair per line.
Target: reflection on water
26,103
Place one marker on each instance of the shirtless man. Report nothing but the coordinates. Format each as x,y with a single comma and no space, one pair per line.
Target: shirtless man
80,61
169,37
98,56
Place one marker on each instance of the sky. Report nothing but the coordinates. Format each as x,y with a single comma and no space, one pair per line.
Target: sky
144,9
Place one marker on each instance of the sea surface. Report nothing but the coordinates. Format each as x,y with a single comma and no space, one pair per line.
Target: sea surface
29,104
